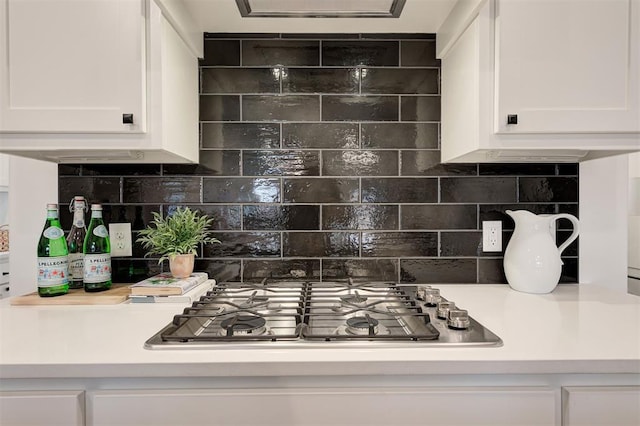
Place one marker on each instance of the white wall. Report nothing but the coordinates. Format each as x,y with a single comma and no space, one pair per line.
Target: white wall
33,184
603,222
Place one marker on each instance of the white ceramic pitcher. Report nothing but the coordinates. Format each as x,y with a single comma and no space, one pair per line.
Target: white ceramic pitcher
532,261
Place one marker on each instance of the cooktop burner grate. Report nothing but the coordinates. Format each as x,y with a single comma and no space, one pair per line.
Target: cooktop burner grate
315,312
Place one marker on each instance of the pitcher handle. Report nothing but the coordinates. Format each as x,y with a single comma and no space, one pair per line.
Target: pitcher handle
574,234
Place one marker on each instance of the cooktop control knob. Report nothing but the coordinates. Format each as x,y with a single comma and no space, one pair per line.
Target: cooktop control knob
442,311
458,319
421,290
432,297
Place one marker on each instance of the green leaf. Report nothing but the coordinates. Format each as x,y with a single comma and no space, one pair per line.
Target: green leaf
180,233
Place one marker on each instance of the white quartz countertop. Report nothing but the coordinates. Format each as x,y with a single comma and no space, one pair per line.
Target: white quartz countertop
576,329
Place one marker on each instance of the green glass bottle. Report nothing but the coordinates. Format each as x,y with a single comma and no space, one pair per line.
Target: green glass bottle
75,242
53,257
97,253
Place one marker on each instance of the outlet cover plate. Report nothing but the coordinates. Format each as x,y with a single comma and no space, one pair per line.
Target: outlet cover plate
491,236
120,237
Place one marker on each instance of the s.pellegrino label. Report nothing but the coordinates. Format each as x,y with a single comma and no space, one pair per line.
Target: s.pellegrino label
97,253
52,271
97,268
75,240
53,257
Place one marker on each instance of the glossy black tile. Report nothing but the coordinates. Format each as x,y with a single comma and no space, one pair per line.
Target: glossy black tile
220,270
287,269
399,244
427,163
400,135
322,36
350,53
443,271
120,169
461,244
569,272
211,163
359,163
244,244
420,108
572,249
281,163
240,135
289,217
240,35
401,81
221,52
572,208
399,190
439,216
320,80
517,169
491,271
240,80
320,244
161,190
94,189
219,107
280,52
320,135
125,270
422,53
240,190
325,190
224,217
360,269
359,108
69,169
399,36
548,189
139,216
478,190
359,217
497,212
281,107
568,169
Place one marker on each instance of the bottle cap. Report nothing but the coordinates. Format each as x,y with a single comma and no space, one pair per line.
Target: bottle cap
52,206
96,206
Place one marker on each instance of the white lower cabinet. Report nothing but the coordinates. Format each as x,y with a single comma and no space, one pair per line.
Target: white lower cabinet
601,406
42,408
442,406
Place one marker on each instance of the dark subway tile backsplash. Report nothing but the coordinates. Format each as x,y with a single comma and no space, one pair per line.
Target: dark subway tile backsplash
320,159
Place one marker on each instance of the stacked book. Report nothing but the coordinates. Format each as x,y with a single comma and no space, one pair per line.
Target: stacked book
163,288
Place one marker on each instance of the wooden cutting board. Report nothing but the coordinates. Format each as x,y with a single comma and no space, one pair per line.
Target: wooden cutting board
116,294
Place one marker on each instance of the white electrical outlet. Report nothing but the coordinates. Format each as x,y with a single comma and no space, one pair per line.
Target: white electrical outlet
120,236
491,236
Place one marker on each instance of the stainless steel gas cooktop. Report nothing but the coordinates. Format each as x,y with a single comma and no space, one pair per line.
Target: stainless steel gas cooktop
321,313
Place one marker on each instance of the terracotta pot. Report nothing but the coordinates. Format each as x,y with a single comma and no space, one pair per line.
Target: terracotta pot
181,265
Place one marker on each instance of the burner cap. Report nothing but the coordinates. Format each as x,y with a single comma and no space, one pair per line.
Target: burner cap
362,325
354,299
244,324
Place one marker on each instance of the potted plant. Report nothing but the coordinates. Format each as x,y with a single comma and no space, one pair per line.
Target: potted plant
177,238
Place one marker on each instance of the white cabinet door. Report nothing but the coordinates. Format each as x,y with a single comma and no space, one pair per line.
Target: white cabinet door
4,171
325,406
72,65
568,66
42,408
601,406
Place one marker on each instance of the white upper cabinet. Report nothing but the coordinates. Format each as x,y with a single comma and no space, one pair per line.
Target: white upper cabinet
72,66
533,80
98,81
4,172
567,66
